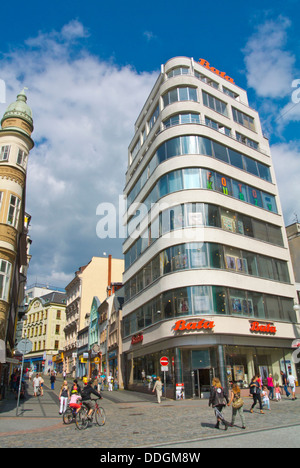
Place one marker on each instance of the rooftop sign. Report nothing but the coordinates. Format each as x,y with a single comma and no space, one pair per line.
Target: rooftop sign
206,64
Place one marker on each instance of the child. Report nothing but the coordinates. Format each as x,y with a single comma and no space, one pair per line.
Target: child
277,392
265,398
75,399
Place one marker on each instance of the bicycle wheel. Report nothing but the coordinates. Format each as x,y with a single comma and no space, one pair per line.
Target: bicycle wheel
100,416
68,416
81,419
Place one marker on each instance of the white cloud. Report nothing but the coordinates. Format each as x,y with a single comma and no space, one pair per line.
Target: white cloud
84,111
286,160
269,66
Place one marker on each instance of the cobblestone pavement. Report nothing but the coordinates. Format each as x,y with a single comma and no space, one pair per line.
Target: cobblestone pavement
135,420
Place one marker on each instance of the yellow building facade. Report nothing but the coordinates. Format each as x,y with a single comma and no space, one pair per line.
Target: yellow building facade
44,326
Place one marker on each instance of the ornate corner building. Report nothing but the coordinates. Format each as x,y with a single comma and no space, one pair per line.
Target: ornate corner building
15,145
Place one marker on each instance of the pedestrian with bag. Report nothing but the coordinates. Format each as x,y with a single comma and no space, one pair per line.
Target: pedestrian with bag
237,405
255,392
218,400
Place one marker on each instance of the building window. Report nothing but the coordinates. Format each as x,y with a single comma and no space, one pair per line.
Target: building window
230,93
56,345
13,211
207,80
246,141
57,330
214,103
217,126
58,314
178,71
5,269
4,153
179,119
180,94
153,118
243,119
21,159
216,300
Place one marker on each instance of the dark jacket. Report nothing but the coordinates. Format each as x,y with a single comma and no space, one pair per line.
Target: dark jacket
218,397
87,391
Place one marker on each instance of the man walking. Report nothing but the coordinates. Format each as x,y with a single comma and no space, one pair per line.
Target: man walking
292,384
284,383
52,380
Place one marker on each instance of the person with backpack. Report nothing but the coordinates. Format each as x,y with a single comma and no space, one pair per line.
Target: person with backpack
256,394
237,405
218,400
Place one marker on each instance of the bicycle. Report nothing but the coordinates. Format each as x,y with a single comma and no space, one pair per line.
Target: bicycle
82,420
69,415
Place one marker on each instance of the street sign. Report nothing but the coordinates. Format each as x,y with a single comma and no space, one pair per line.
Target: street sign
164,361
165,368
24,346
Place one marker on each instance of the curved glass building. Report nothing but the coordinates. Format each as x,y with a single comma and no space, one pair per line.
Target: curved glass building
208,277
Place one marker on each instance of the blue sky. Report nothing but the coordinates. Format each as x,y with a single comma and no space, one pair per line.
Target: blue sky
89,67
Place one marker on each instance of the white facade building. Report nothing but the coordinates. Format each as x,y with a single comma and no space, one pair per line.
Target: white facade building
208,277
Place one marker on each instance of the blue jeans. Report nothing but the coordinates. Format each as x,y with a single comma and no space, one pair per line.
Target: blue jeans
286,390
271,394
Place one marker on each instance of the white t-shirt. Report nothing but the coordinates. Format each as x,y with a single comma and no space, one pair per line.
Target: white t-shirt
36,381
291,380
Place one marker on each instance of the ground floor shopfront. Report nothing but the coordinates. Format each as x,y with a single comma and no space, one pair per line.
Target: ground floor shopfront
197,355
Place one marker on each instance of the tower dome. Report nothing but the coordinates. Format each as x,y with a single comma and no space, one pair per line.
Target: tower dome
18,115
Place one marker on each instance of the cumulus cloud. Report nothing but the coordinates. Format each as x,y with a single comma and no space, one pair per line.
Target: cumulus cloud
269,65
286,157
84,111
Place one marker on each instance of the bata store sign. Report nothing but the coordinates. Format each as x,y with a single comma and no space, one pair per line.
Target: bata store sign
137,338
263,327
181,325
222,74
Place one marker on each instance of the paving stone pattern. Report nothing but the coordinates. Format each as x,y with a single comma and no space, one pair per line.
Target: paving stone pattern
132,420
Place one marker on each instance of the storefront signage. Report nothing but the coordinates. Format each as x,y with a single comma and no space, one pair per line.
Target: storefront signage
263,327
137,338
183,325
206,64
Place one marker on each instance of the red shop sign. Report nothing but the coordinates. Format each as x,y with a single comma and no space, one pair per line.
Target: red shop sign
183,325
137,338
263,327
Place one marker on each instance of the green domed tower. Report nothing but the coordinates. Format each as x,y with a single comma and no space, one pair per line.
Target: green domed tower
15,145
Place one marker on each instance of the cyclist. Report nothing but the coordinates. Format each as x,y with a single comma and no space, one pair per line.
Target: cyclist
86,393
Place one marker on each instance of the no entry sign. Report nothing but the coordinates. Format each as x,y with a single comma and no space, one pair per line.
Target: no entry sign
164,361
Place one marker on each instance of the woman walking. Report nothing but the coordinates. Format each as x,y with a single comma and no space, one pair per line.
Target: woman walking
237,405
270,385
64,395
218,399
158,388
255,392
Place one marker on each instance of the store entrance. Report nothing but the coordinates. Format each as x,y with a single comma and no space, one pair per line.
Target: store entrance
202,380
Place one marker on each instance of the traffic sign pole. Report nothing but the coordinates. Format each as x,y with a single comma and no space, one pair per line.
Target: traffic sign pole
164,362
24,347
